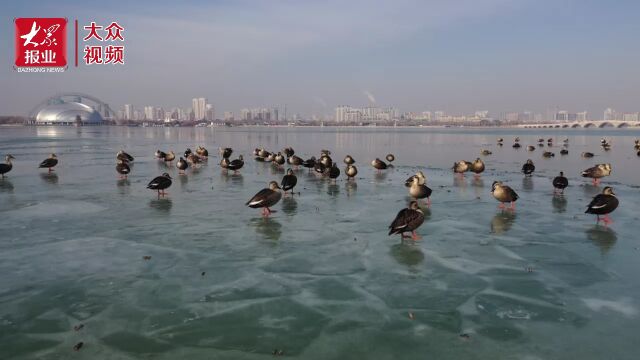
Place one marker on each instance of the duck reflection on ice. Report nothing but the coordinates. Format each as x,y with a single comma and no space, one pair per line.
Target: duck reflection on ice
527,183
459,181
276,170
50,178
379,177
236,179
602,236
478,186
6,185
333,189
289,205
313,179
559,203
163,166
268,227
407,253
123,186
163,205
477,182
351,187
195,169
184,179
502,222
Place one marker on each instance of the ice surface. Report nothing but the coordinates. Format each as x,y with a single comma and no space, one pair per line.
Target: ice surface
199,275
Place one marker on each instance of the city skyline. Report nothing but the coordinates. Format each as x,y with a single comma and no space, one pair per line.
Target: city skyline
368,113
456,57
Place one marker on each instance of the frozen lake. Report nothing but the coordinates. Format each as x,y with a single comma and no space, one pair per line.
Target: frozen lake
320,279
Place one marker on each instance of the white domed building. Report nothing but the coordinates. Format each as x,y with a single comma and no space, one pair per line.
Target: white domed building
68,113
72,109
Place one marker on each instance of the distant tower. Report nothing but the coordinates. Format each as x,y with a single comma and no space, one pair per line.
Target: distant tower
210,112
128,112
199,108
149,113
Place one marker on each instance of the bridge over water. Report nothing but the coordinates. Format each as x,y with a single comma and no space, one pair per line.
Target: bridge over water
584,124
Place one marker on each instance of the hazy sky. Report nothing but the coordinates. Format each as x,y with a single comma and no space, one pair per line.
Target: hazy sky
457,56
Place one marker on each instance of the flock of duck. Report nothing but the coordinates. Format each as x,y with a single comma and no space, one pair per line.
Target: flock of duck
406,221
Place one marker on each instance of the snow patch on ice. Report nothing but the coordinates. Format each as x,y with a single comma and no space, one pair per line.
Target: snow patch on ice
508,253
622,306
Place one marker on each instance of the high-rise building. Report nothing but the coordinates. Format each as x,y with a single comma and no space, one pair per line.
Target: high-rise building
128,112
261,114
341,113
346,113
174,114
185,114
194,106
630,117
245,114
526,116
582,116
512,117
228,116
199,108
370,113
391,113
210,113
149,113
562,116
159,114
353,115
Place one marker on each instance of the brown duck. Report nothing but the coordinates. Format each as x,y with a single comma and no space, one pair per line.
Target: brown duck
504,194
407,220
266,198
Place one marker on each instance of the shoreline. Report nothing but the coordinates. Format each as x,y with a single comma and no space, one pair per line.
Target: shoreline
386,127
